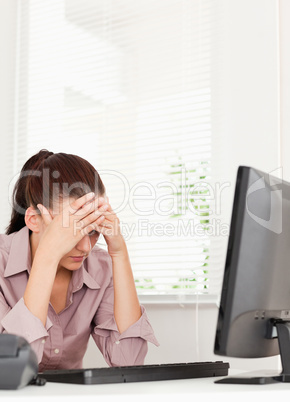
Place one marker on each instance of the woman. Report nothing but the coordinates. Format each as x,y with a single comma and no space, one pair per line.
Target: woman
56,288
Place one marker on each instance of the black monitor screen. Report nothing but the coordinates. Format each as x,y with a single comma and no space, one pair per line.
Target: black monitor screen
255,300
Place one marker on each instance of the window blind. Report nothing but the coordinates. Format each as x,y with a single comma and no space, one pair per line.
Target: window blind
128,85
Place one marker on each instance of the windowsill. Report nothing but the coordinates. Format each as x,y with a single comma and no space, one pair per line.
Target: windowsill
179,299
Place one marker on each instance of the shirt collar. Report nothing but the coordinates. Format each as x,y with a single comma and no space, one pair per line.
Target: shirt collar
81,277
19,260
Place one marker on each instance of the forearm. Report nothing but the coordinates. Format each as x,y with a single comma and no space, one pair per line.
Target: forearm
126,304
38,290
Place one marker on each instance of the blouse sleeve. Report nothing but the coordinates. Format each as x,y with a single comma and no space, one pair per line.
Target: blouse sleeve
121,349
18,320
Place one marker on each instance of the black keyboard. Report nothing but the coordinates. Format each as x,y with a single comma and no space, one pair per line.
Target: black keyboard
151,372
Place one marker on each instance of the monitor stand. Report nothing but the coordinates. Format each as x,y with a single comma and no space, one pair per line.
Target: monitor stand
283,331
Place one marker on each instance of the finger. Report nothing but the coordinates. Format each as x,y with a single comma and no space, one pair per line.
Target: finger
99,228
89,214
80,202
102,209
112,227
110,216
110,211
110,207
106,229
98,201
92,226
112,224
47,218
93,216
106,198
89,207
105,201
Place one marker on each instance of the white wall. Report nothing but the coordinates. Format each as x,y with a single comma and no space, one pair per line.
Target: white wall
247,98
285,85
8,18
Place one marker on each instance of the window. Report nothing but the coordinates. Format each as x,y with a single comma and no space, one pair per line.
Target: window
128,85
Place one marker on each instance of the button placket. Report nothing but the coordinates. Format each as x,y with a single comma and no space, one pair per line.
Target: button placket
56,342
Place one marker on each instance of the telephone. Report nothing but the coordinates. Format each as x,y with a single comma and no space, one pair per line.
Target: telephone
18,363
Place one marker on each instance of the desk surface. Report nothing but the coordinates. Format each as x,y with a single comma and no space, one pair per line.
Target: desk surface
203,388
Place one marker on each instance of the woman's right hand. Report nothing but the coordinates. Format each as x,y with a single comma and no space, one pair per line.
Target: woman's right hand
64,230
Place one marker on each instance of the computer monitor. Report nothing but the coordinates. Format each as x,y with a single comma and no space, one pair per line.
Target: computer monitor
254,313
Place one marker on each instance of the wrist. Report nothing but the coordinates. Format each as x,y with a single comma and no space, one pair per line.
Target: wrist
117,248
45,255
120,256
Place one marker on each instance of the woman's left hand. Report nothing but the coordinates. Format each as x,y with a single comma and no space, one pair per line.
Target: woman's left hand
127,309
110,229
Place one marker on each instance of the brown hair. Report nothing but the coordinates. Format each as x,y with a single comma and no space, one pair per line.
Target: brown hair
41,178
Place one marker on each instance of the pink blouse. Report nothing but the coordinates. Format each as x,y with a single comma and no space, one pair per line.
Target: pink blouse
62,342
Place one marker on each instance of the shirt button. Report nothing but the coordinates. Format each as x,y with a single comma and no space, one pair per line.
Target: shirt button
43,341
56,351
117,342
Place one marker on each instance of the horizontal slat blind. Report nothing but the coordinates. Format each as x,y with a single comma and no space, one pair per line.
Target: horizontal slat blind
127,85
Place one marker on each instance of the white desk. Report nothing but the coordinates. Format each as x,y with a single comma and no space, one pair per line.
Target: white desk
202,390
